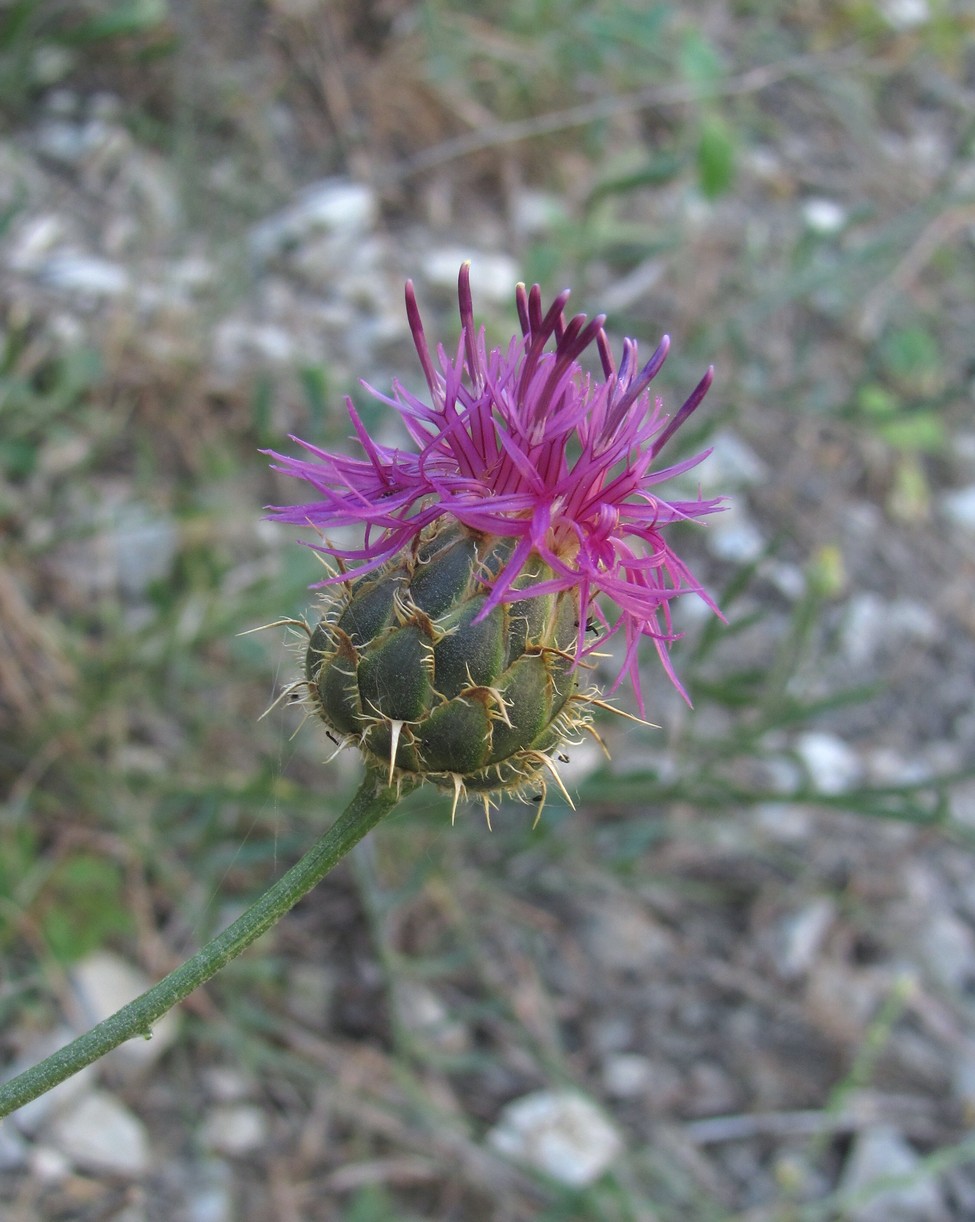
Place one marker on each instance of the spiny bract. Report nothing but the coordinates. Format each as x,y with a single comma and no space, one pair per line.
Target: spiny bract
402,666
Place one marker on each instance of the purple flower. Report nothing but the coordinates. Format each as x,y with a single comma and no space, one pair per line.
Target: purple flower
522,442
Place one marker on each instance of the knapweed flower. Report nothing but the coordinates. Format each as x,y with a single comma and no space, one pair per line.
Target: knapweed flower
521,531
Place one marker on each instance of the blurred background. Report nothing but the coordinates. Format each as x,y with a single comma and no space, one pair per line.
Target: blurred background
737,981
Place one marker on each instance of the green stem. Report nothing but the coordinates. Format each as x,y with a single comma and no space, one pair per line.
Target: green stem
372,803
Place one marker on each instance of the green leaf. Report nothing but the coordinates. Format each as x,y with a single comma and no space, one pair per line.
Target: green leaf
715,157
314,383
126,18
919,431
700,63
84,906
911,354
877,402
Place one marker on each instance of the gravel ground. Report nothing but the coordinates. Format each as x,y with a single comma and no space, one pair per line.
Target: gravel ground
763,1012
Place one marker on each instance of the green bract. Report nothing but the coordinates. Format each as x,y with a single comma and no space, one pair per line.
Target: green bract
401,666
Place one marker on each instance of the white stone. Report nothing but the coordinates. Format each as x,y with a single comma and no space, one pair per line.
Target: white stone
635,286
49,1166
81,273
732,463
537,212
873,623
224,1084
103,983
237,342
732,535
424,1014
338,206
210,1193
493,275
948,947
958,506
100,1134
904,14
789,579
34,239
559,1133
799,936
824,216
13,1148
145,545
333,206
881,1154
833,765
234,1129
62,141
627,1075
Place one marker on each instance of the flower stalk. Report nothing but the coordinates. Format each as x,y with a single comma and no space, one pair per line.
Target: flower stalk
521,531
373,801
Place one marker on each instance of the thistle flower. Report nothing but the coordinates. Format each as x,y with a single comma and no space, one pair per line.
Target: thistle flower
498,555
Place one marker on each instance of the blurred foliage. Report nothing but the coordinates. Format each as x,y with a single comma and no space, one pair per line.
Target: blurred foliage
43,399
42,42
84,906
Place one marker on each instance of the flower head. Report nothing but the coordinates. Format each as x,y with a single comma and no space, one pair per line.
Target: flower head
523,444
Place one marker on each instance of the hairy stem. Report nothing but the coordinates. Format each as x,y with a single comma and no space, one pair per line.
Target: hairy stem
373,802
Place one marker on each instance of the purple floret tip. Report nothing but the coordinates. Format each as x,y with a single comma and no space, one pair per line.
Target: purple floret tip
522,442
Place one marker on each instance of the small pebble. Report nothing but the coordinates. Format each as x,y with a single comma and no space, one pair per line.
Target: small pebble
627,1075
47,1165
799,936
13,1149
424,1014
905,14
234,1129
832,764
958,506
824,216
734,536
732,463
493,276
561,1134
880,1154
88,274
99,1134
334,206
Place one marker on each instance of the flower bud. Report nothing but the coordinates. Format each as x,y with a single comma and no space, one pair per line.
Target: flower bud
406,663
